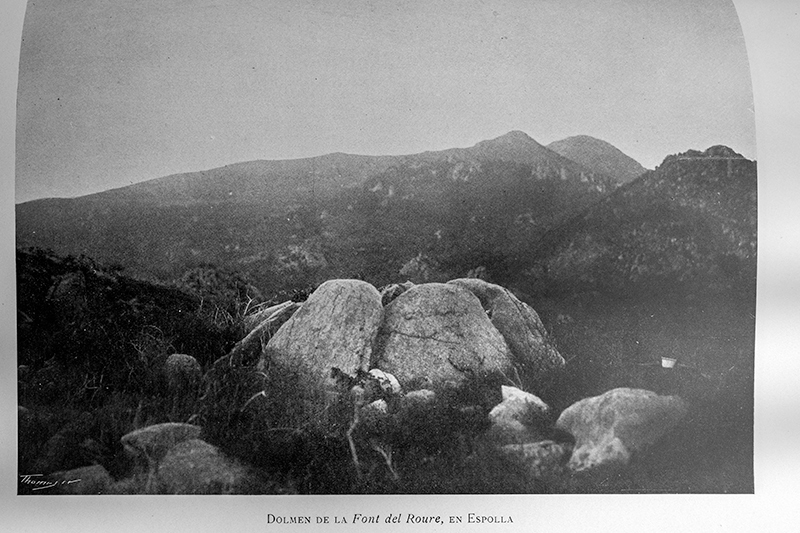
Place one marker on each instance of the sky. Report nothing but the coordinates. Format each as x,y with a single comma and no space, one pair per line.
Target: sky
112,92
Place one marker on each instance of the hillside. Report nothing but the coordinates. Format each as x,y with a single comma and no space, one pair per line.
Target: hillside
599,156
294,223
691,224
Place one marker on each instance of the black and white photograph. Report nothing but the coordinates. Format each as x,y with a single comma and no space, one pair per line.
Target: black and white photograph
338,251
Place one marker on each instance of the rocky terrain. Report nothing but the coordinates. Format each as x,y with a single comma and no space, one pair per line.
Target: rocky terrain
493,319
433,387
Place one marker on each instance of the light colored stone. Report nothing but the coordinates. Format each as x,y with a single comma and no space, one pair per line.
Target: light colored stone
541,459
272,317
390,292
418,399
309,360
610,427
521,328
153,442
520,417
197,467
437,333
382,383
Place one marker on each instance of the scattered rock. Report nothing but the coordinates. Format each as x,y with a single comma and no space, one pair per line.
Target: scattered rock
390,292
331,335
153,442
373,416
520,417
543,460
439,333
85,480
417,402
197,467
521,328
183,373
68,296
380,384
272,317
609,427
63,450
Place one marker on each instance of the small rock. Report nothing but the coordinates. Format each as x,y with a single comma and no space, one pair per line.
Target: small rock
373,415
183,373
382,384
197,467
390,292
272,317
520,417
86,480
153,442
418,399
544,459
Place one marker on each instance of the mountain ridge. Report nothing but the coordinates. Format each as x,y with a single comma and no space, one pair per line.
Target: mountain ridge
294,180
691,222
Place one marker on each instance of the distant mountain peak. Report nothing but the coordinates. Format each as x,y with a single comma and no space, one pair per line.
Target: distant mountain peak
514,137
598,155
718,151
515,145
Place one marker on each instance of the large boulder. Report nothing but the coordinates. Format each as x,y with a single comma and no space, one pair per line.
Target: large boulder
197,467
436,335
521,327
308,361
610,427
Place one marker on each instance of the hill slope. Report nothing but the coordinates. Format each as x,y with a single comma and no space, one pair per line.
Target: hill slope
690,224
598,156
300,221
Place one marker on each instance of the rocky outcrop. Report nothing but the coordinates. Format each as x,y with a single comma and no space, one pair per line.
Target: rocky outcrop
610,427
520,326
308,360
437,334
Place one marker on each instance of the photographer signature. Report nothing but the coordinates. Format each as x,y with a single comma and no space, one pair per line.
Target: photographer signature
40,484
